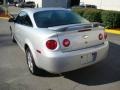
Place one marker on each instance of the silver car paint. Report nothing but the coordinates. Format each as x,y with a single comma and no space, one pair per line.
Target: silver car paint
61,59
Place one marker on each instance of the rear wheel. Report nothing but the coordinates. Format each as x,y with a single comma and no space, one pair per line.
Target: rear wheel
30,61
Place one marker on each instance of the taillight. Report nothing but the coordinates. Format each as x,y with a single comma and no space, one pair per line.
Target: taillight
100,36
51,44
66,42
105,35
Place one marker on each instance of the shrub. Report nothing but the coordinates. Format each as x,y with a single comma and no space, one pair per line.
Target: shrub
79,10
93,15
111,19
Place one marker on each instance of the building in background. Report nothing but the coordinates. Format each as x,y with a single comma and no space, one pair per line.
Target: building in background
55,3
104,4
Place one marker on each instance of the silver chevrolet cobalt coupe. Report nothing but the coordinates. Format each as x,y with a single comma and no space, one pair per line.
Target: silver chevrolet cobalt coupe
58,40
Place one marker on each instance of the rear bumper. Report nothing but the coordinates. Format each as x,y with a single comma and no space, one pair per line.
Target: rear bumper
62,62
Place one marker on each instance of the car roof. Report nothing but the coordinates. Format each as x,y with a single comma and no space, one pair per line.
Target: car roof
32,11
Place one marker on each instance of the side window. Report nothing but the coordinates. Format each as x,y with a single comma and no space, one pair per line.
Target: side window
18,19
27,21
24,19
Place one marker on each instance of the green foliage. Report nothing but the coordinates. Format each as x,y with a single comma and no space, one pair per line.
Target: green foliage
93,15
79,10
111,19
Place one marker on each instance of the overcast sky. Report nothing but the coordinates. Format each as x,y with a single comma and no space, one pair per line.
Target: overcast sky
105,4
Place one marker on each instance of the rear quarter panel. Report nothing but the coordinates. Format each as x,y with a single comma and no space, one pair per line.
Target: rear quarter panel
35,39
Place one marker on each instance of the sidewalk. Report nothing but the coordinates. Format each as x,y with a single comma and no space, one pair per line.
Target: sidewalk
6,18
12,11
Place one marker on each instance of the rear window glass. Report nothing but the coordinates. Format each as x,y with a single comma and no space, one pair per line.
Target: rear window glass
50,18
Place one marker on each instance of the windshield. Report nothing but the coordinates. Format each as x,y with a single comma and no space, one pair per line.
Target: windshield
50,18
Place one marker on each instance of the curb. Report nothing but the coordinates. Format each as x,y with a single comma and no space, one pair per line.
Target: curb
6,18
113,31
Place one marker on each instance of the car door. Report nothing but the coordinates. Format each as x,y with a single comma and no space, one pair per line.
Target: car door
18,27
27,30
22,25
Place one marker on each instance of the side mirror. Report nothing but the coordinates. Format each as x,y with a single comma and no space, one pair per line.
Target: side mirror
11,20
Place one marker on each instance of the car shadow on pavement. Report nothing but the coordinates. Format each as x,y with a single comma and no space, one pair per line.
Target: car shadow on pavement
106,71
5,40
43,73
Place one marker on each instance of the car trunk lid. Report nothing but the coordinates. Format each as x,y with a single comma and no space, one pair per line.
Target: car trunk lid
80,36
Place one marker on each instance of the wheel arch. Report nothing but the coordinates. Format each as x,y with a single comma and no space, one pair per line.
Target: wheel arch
29,45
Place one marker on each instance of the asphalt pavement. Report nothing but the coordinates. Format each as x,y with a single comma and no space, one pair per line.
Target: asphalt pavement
14,74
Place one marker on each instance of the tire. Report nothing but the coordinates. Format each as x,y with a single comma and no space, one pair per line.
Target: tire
30,62
12,36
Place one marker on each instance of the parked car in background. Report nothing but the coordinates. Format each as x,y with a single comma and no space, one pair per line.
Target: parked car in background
29,4
58,40
11,4
83,5
88,6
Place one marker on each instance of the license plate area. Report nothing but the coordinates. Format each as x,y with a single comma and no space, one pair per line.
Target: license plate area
89,58
83,59
92,57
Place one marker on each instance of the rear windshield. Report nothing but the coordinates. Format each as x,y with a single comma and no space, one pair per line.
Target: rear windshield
50,18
